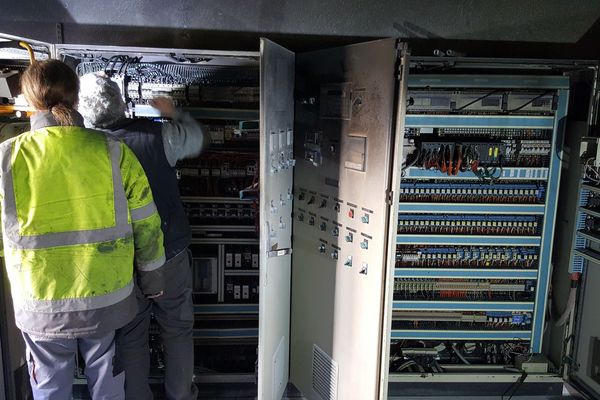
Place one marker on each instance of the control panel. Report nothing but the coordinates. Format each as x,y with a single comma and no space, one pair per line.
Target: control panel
477,202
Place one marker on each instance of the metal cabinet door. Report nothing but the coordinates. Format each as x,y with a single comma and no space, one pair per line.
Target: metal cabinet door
344,123
276,173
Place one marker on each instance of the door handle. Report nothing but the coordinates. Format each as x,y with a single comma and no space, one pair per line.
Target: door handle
279,252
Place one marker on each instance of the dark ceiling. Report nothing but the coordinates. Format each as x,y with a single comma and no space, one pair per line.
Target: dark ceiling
520,28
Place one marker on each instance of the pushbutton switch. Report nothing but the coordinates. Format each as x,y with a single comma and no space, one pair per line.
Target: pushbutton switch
311,221
349,237
365,219
322,248
348,262
335,231
311,200
364,269
323,226
351,213
334,254
364,244
323,203
336,207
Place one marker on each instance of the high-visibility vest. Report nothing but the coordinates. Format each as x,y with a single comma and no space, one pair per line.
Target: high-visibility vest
77,215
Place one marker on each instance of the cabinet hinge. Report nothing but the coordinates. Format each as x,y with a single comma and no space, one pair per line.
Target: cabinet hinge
389,197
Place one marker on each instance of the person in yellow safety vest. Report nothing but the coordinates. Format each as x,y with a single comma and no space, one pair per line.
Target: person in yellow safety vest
77,216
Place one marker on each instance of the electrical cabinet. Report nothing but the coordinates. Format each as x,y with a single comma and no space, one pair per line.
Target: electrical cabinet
477,205
366,223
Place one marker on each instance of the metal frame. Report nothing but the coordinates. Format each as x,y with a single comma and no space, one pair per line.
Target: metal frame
476,240
549,221
156,51
504,63
392,231
500,375
466,273
477,208
462,305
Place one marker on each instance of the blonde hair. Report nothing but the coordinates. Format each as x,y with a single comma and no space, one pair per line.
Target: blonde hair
52,85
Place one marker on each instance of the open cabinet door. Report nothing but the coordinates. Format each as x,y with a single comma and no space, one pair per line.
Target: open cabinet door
276,173
344,120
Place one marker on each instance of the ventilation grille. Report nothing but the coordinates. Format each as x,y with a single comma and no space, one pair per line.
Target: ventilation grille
324,374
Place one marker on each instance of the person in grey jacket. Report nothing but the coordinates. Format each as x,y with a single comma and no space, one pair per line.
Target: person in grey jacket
158,147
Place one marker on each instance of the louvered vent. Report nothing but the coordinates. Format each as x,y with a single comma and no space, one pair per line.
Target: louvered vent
324,374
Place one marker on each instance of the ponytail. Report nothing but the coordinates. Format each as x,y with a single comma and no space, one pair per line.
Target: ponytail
62,114
51,85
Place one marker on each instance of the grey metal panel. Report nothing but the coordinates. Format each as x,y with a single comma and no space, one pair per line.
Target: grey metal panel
44,47
346,94
276,126
588,328
150,51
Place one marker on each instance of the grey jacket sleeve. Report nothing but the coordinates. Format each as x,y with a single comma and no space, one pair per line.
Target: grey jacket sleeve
183,138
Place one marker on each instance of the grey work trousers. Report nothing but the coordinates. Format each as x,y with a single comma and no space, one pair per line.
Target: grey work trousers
174,313
52,367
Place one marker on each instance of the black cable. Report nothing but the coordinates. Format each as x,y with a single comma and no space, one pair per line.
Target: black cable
413,162
479,99
516,385
529,102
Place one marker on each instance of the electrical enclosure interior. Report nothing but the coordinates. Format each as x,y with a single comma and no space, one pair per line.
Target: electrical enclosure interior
368,224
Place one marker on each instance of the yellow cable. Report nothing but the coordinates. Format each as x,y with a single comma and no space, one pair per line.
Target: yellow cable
27,47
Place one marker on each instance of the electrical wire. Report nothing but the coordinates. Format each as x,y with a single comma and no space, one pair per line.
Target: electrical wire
514,387
406,365
591,173
479,99
459,355
529,102
29,49
414,161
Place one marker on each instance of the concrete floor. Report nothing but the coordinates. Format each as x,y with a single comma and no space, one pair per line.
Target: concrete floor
222,391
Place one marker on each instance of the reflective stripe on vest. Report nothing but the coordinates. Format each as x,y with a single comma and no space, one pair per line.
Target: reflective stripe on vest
144,212
79,304
121,229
